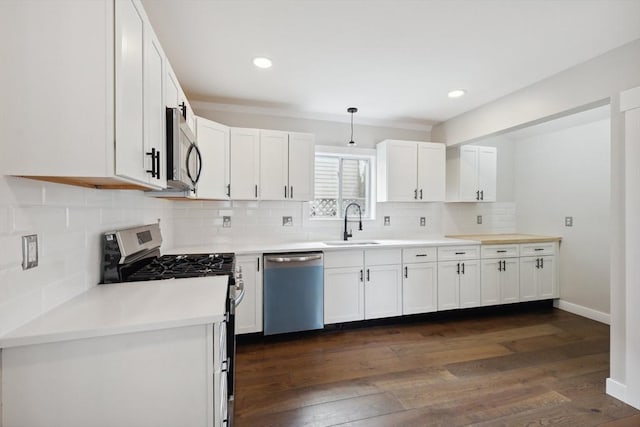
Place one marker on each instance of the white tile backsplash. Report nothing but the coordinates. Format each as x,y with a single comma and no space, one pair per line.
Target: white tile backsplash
69,222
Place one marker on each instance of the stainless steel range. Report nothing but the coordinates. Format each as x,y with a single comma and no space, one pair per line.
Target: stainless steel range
133,254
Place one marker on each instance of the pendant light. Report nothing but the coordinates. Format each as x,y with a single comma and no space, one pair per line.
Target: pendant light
352,110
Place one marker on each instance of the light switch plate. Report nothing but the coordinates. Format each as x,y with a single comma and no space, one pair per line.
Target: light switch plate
423,221
287,221
387,220
479,219
29,251
226,221
568,221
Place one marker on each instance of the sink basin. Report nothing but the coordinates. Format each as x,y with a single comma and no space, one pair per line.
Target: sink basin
351,242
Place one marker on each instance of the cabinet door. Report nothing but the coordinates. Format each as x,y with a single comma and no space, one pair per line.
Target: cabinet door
274,165
301,166
213,142
245,163
490,271
154,109
343,294
249,312
510,281
468,173
172,88
402,171
129,69
420,288
431,172
383,291
448,285
547,287
487,163
528,278
470,284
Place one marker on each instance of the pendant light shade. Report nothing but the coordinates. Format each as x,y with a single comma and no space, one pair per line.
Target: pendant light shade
352,110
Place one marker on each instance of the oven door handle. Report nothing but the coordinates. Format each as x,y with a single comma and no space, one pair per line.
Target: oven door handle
240,288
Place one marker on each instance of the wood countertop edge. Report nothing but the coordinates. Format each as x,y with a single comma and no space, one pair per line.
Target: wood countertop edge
507,239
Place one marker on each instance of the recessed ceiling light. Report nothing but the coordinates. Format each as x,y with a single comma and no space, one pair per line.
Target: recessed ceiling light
262,62
457,93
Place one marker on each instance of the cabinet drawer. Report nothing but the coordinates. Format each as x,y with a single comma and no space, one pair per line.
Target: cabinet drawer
454,253
533,249
348,258
382,256
416,255
499,251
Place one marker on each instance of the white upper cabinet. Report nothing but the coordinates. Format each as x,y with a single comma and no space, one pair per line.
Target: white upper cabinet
213,142
471,174
245,163
301,166
274,165
90,109
410,171
286,165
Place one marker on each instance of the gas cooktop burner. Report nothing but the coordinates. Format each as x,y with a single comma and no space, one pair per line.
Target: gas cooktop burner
183,266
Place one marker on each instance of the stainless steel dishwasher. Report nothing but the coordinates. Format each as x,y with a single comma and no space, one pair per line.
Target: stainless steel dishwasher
293,292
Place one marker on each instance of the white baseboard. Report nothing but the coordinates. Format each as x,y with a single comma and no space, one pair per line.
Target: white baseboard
580,310
616,389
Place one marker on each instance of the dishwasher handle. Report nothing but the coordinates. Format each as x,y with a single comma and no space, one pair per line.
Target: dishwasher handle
304,258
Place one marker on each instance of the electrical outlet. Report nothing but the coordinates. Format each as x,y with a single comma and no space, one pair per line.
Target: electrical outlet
479,219
29,251
423,221
287,221
387,220
568,221
226,221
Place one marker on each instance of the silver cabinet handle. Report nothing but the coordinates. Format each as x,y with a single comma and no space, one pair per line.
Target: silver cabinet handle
239,287
294,258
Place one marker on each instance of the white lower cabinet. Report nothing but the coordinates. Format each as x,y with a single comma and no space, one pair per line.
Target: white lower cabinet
362,285
500,274
458,277
419,280
538,271
169,377
249,312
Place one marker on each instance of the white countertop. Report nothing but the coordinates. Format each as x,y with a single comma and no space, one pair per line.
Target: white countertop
253,248
120,308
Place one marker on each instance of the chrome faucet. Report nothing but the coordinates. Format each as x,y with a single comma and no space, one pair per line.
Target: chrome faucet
346,210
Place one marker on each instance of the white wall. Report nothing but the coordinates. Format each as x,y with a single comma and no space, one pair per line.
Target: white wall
69,222
594,82
566,173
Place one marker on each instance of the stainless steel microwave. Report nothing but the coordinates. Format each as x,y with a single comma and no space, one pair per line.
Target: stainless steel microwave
184,160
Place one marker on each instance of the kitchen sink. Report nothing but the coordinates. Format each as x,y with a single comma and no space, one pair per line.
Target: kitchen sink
351,242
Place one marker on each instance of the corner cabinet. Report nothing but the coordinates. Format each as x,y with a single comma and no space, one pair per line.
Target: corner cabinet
249,312
471,174
286,166
410,171
213,142
90,111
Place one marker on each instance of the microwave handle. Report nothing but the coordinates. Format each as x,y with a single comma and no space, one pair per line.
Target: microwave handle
195,180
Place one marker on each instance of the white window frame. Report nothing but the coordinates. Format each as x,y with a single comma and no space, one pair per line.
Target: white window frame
353,153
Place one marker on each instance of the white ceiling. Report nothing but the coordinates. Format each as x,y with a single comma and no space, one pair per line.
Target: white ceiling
394,60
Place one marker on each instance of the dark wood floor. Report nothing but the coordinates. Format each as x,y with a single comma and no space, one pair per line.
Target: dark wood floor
534,368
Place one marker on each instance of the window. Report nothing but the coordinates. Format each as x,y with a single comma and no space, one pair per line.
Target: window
339,180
